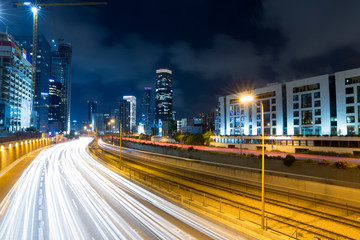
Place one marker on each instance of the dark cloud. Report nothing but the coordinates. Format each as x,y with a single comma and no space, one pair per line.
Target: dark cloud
214,48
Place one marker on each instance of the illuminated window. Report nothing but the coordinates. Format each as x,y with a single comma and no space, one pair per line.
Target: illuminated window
350,130
306,100
350,119
296,131
306,117
317,112
317,95
317,103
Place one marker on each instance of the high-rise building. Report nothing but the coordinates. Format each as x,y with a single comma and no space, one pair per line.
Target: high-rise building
16,86
61,72
97,121
42,78
132,101
92,108
146,106
55,101
163,95
124,115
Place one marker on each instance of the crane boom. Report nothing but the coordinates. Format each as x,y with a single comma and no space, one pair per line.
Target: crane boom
63,4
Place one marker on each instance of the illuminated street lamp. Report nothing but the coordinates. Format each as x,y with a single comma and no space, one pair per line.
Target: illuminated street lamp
250,98
34,10
112,121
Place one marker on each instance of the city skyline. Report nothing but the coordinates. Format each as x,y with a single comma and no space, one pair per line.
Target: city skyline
242,44
179,119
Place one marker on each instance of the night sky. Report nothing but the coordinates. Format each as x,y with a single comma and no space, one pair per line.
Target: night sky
213,47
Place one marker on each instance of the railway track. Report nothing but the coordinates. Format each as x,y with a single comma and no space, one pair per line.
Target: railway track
194,184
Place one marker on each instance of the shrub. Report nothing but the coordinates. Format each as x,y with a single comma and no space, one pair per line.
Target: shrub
190,149
309,160
265,156
289,160
341,164
325,162
348,155
251,155
358,166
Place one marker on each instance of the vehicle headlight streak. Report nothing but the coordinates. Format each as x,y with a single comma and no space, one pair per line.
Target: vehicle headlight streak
66,194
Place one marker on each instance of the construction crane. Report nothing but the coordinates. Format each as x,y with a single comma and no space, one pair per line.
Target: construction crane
35,7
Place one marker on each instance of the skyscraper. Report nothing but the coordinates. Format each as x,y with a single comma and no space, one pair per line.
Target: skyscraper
61,72
92,108
16,86
42,78
163,95
55,94
132,120
146,106
124,115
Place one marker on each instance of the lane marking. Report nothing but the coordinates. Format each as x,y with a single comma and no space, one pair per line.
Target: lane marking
40,215
41,234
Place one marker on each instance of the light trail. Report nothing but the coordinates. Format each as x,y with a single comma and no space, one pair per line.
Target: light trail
66,194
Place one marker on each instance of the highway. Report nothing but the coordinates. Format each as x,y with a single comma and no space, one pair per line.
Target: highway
66,194
203,185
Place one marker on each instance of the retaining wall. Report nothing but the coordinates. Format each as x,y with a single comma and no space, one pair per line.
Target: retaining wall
11,151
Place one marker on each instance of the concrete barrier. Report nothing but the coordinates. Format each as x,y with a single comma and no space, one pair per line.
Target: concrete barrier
11,151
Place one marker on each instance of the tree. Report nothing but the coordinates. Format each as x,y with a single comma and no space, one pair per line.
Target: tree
207,137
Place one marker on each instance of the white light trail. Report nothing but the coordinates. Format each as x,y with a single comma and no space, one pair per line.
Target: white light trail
66,194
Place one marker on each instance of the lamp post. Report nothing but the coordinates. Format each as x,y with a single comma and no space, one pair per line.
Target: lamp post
240,131
120,138
250,98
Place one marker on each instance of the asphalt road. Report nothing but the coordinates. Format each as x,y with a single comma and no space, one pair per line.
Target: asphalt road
66,194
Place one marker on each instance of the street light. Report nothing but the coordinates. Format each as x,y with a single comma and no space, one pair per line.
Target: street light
34,10
250,98
112,121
